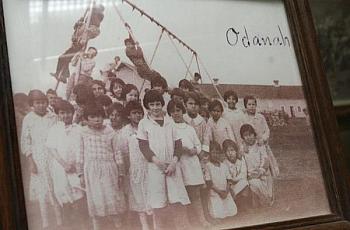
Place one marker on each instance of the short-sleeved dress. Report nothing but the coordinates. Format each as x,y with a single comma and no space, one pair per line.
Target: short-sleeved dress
238,172
162,189
218,131
190,165
137,172
218,207
101,164
64,141
33,143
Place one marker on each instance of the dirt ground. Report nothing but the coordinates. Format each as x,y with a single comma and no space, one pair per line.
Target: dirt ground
299,189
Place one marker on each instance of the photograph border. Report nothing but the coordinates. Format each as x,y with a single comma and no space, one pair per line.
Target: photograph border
322,115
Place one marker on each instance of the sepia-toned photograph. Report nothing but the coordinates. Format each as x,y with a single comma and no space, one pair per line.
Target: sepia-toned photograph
160,114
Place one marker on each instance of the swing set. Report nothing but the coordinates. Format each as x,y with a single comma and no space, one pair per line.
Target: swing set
163,31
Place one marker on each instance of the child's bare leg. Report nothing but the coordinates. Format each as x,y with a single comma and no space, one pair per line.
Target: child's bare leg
196,207
44,212
159,218
117,221
58,214
180,216
95,223
143,221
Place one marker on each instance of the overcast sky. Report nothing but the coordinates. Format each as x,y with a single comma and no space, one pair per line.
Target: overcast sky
38,31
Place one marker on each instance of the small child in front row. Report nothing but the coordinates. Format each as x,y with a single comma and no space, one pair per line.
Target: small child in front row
136,164
259,174
218,178
189,162
100,169
238,169
161,146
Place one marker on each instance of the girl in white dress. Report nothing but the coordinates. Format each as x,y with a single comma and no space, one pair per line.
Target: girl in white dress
136,164
36,125
63,144
189,161
217,176
259,174
161,146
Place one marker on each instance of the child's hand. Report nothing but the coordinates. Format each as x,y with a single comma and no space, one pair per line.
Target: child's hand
170,169
160,164
223,194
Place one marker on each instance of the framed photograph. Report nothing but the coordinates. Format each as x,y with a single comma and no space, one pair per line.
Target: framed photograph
166,114
332,23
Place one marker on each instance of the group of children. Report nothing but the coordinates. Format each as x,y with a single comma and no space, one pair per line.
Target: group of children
162,157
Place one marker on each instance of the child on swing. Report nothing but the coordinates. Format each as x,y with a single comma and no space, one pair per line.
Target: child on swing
135,163
101,169
258,171
189,162
161,146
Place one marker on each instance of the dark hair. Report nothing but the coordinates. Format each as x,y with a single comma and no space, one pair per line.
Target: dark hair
203,100
20,99
127,89
248,97
103,100
203,110
93,110
172,104
192,95
63,105
230,93
229,143
83,94
36,94
177,92
152,96
114,82
215,145
129,40
100,83
184,83
132,105
51,91
214,104
197,75
115,106
158,80
92,48
246,128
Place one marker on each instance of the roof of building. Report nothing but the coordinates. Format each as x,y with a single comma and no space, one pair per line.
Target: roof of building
259,91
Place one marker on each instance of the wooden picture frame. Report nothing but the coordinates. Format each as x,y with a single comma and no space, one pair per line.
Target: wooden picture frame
326,16
334,171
